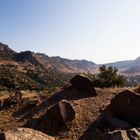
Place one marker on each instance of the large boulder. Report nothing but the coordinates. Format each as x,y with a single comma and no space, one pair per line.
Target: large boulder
62,112
83,84
24,134
126,106
131,134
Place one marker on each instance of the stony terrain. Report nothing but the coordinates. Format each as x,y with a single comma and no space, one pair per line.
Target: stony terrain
88,110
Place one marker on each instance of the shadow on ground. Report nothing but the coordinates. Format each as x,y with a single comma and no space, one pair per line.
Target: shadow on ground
67,94
25,110
43,122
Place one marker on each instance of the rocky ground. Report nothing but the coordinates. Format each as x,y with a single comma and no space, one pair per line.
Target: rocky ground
89,110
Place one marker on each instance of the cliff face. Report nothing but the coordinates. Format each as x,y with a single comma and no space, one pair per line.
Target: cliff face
26,56
6,53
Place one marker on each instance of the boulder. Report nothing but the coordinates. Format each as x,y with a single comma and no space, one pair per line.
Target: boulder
131,134
24,134
83,84
62,112
126,106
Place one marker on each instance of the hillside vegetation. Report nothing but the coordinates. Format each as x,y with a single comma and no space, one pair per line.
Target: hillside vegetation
26,70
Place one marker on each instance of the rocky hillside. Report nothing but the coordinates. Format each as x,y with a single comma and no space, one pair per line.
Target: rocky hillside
25,70
37,70
31,70
66,65
95,116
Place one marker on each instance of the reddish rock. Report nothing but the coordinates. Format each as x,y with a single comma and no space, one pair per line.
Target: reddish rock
126,106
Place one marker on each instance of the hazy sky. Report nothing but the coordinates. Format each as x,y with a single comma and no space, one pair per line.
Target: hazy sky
98,30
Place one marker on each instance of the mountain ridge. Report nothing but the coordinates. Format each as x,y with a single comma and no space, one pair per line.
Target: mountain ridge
31,70
40,70
64,64
24,56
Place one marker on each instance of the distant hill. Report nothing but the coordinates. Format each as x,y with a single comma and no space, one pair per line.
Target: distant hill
120,64
61,64
133,67
31,70
128,66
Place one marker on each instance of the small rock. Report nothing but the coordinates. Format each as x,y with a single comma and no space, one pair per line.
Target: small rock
62,112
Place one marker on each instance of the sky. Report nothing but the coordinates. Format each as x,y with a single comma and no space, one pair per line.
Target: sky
101,31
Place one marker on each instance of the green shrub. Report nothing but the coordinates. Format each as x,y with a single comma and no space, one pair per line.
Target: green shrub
107,77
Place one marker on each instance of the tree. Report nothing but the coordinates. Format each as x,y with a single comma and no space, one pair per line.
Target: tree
107,77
